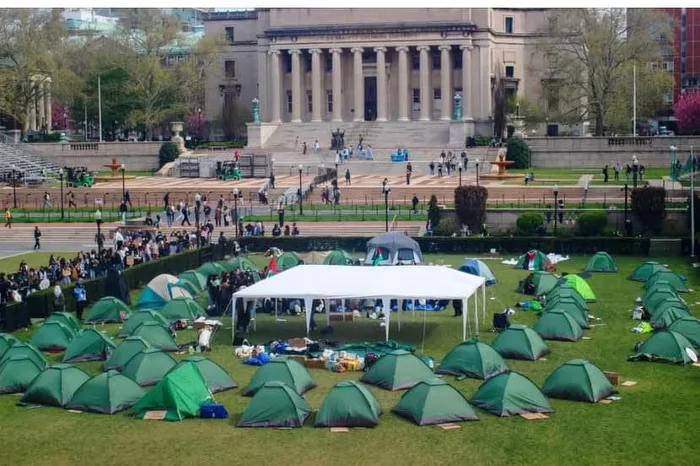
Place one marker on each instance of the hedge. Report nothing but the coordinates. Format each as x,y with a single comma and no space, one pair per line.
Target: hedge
469,245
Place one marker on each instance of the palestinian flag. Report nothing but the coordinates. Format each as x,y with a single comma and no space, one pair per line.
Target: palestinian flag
377,257
273,264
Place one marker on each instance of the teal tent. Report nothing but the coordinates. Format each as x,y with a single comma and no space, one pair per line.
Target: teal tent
160,290
472,358
52,337
65,318
89,345
138,318
510,394
25,349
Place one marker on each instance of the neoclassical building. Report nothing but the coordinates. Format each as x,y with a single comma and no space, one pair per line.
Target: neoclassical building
310,66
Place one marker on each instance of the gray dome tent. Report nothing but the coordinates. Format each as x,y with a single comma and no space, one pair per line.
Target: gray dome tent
392,248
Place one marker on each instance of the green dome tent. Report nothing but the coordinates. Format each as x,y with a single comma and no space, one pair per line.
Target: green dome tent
520,342
397,370
124,352
138,318
156,335
275,405
17,373
6,341
580,285
182,309
510,394
89,345
558,325
689,327
65,318
148,366
578,380
215,376
106,393
664,345
181,394
665,315
25,349
541,280
645,270
211,268
240,262
107,310
338,257
472,358
56,385
52,337
434,401
348,404
287,260
562,291
534,260
652,299
668,277
192,281
287,371
572,308
601,262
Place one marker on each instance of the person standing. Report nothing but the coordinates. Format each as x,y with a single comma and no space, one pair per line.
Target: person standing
122,211
280,214
127,199
8,218
409,171
272,180
303,148
47,200
317,146
617,171
185,216
431,167
414,202
37,238
347,177
605,174
166,200
71,199
197,200
80,295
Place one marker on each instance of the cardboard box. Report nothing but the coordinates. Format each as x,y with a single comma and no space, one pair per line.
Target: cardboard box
315,363
342,316
613,377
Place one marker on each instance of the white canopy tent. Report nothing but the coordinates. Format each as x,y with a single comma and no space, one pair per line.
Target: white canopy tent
309,282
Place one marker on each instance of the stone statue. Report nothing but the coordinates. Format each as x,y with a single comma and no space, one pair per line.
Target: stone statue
256,110
458,107
337,139
176,128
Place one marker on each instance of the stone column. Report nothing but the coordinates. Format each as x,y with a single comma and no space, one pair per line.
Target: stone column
485,81
446,88
48,103
381,83
337,82
316,88
359,84
41,107
424,83
296,86
276,86
467,94
403,83
32,105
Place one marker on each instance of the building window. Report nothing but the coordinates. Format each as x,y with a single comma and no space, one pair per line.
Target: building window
510,71
230,69
415,61
287,63
289,101
682,21
435,55
668,99
307,62
309,102
329,101
509,25
457,61
437,93
683,68
229,34
653,66
552,98
416,99
667,66
328,62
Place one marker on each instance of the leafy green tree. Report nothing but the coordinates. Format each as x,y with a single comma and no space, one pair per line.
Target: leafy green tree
433,211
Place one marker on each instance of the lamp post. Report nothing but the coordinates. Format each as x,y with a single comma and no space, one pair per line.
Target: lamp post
672,152
556,207
60,179
98,221
386,190
626,190
14,185
460,173
301,192
477,172
235,210
123,169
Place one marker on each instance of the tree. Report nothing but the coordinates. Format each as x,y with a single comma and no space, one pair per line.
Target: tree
687,112
587,53
28,40
433,211
196,125
233,117
500,105
470,206
530,112
191,72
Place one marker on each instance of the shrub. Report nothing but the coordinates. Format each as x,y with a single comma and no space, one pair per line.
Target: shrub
528,223
649,207
470,206
168,153
592,223
433,212
482,140
518,151
448,227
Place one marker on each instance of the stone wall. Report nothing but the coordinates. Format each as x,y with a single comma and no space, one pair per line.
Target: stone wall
94,155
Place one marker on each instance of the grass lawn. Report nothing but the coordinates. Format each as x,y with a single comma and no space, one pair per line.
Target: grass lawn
656,421
34,259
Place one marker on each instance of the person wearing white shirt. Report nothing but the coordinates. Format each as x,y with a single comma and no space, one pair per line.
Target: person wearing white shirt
118,239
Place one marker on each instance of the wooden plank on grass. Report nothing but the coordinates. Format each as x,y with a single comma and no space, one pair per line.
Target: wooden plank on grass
628,383
155,415
534,416
449,426
338,430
